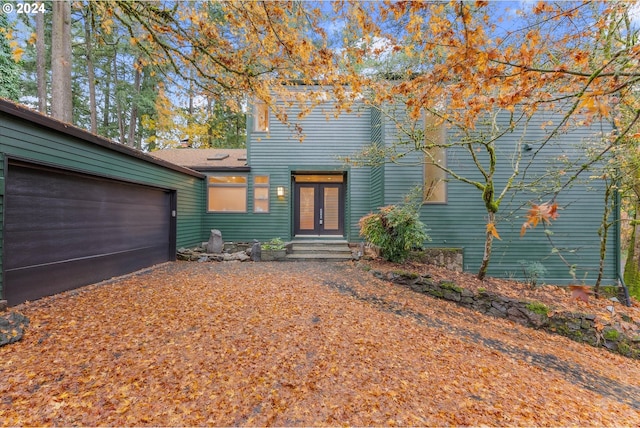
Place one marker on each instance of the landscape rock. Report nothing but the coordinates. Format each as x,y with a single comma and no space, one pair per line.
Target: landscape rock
256,251
12,326
215,244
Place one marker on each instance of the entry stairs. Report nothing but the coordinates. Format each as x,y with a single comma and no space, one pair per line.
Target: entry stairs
318,250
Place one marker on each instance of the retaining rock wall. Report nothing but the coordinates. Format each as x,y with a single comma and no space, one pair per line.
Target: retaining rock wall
586,328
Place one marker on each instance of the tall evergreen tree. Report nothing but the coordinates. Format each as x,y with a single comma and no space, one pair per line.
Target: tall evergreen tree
9,69
61,88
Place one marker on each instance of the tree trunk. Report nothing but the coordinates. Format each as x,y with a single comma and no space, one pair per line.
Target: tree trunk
488,242
210,114
133,119
93,110
118,100
106,109
603,233
632,265
61,95
41,63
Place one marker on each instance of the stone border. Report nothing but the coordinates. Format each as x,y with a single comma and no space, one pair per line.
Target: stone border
583,328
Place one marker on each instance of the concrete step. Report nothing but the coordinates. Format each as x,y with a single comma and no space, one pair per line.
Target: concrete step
319,257
320,248
306,249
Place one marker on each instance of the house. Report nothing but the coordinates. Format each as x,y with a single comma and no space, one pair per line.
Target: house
301,190
77,208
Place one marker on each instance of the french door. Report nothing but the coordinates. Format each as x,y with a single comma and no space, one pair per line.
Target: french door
319,208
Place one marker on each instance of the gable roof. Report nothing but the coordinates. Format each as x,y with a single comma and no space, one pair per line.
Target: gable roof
205,159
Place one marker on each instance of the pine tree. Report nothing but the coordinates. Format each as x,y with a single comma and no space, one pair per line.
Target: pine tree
9,69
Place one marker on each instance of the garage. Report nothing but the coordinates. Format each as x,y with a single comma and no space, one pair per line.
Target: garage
64,229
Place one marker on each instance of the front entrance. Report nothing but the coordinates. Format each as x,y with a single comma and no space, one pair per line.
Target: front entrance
319,205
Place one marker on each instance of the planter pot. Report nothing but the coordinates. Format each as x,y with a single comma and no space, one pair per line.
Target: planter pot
273,255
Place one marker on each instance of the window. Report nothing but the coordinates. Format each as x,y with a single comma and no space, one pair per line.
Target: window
260,117
261,194
227,193
435,184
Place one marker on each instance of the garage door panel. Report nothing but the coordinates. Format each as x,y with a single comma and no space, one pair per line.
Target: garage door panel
46,246
47,280
61,221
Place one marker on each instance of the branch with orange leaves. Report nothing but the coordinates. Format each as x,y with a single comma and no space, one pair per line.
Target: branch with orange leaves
540,214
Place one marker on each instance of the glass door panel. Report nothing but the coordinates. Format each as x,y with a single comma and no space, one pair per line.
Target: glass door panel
331,205
307,208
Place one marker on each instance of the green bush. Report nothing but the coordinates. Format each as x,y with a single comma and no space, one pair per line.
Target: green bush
396,230
274,244
533,271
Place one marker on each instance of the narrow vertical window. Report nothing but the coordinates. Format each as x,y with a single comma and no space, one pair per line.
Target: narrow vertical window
435,156
260,117
261,194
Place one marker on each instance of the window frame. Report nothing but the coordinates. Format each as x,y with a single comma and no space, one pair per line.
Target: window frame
211,186
257,186
260,116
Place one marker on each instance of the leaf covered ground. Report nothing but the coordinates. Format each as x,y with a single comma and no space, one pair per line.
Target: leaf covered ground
295,344
556,298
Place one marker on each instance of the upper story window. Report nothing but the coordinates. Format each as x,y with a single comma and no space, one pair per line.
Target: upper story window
227,193
435,184
260,117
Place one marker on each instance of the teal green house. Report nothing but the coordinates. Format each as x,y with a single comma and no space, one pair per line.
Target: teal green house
292,189
77,209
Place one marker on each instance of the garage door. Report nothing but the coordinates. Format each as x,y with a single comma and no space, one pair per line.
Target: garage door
63,230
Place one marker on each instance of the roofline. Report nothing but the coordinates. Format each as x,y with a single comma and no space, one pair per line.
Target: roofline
33,116
222,168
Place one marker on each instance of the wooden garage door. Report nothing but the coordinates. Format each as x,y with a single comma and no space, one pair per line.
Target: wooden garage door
63,230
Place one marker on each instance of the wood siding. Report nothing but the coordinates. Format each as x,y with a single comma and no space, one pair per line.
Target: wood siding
279,153
461,222
35,138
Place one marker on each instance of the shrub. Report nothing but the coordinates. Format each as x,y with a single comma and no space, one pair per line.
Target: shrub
395,229
533,271
274,244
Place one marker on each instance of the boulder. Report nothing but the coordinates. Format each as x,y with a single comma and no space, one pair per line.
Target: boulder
256,252
12,326
215,243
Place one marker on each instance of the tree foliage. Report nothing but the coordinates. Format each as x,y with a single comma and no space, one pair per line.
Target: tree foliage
9,71
465,61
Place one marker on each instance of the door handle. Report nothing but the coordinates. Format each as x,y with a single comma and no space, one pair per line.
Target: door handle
320,215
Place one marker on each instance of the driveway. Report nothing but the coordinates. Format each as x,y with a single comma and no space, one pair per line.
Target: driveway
295,344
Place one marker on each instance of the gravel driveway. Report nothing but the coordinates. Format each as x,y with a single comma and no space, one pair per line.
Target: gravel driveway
295,344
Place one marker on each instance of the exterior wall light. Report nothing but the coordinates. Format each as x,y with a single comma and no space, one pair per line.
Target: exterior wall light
280,191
